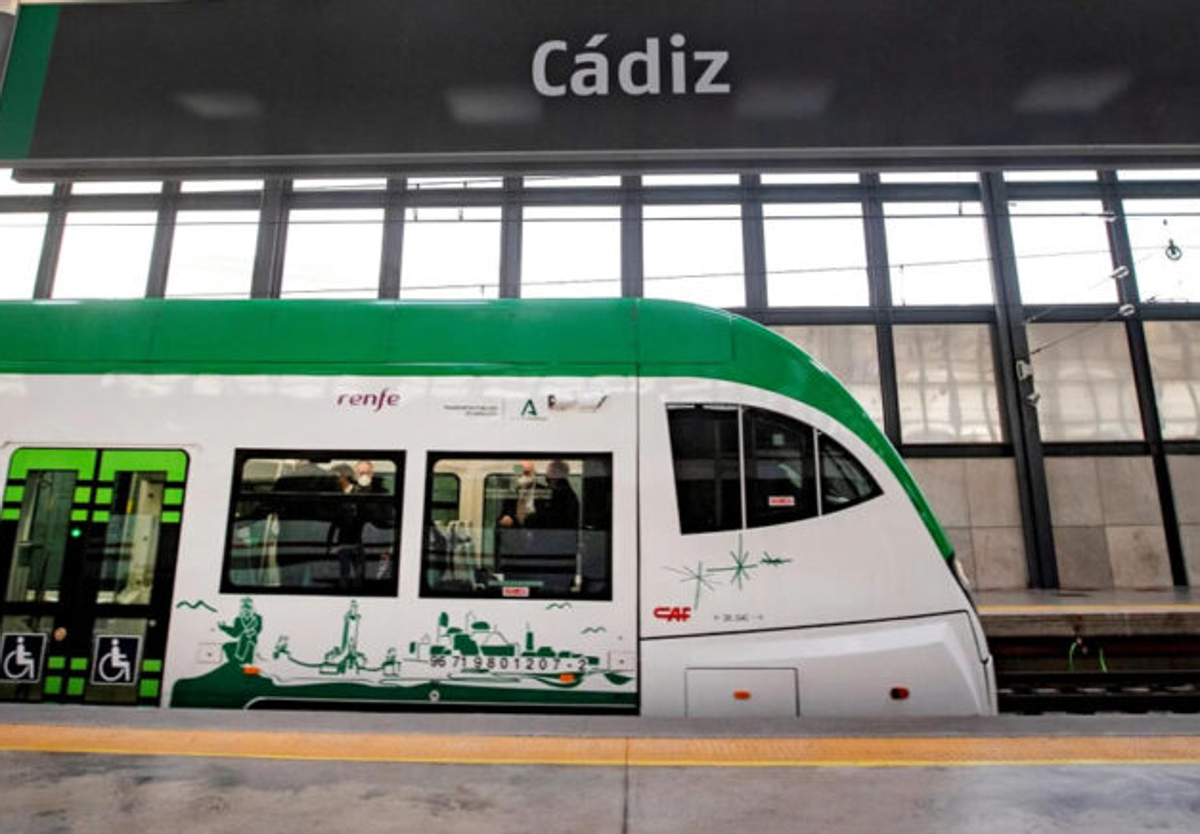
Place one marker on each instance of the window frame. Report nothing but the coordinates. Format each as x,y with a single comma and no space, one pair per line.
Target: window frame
875,491
755,518
735,410
743,412
432,457
388,589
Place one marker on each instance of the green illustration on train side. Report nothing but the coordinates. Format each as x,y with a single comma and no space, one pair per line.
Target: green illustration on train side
471,663
704,577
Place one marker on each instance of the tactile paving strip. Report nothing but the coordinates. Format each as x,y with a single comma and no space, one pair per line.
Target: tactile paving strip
951,751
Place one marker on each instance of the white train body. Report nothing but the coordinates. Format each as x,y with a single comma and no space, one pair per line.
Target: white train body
847,612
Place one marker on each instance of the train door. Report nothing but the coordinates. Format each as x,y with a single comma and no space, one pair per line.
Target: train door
88,539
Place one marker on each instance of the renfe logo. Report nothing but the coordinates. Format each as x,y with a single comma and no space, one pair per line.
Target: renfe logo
673,613
375,402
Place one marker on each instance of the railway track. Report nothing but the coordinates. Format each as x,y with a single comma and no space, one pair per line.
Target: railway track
1100,673
1041,691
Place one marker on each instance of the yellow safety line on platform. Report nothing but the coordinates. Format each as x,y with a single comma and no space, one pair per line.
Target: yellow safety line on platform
956,751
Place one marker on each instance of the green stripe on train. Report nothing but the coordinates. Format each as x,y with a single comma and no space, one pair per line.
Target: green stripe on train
512,338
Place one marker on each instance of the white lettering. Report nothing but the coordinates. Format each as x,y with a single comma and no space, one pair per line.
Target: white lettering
649,60
540,57
678,68
708,80
639,73
591,79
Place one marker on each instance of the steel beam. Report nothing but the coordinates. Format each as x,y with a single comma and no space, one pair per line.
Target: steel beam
1139,354
1015,393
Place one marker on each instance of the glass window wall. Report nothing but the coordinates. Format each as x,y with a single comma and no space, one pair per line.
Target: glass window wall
131,187
1085,381
1162,234
1174,348
694,253
947,384
105,255
10,186
451,253
571,252
213,254
21,237
816,255
333,254
1062,252
938,253
850,352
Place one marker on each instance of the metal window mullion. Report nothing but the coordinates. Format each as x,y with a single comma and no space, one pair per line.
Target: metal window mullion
816,441
272,238
392,256
1139,354
56,220
754,259
1012,344
510,238
632,239
741,418
880,298
164,240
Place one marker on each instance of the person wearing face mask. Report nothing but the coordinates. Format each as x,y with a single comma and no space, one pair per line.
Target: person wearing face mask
518,509
364,478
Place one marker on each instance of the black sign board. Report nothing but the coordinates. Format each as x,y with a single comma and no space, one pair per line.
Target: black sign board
115,659
450,83
21,657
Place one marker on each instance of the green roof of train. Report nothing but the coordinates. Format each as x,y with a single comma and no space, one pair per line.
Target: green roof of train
388,338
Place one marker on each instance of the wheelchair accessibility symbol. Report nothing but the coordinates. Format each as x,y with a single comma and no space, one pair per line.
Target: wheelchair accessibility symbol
21,657
115,659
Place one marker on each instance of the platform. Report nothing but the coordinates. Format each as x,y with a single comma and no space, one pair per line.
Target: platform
123,770
1126,613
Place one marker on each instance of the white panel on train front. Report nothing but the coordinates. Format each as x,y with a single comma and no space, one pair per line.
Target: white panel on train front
871,561
918,667
742,693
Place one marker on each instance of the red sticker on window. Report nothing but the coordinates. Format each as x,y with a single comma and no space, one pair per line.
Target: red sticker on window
518,591
781,501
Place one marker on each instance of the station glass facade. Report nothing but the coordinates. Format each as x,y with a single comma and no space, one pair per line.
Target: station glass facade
1027,339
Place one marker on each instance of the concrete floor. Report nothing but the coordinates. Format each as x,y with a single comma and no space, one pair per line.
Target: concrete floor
52,794
42,793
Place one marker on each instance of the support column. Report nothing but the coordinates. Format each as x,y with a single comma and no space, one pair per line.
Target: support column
272,238
1011,346
510,239
1139,354
164,240
880,298
56,220
393,239
632,247
754,244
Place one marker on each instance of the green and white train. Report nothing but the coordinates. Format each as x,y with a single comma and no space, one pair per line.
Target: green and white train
621,505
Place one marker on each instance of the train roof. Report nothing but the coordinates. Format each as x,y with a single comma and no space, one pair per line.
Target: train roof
509,337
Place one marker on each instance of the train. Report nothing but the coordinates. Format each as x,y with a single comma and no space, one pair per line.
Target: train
615,505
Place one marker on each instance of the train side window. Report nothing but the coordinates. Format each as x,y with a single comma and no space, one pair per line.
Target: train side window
781,485
704,448
844,481
517,526
310,522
